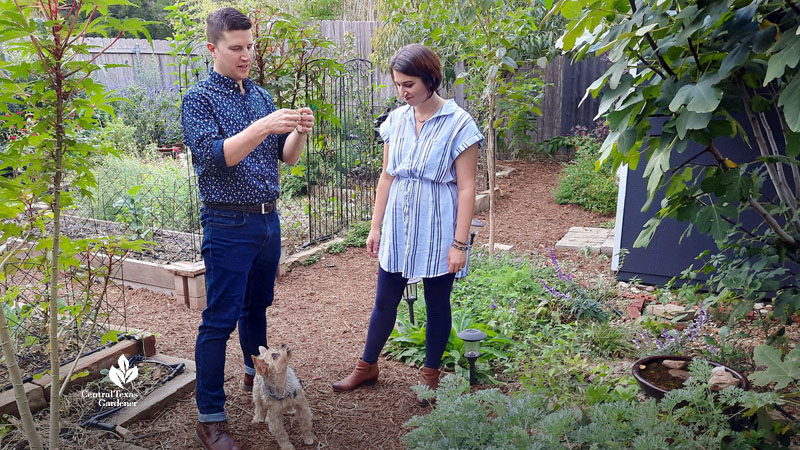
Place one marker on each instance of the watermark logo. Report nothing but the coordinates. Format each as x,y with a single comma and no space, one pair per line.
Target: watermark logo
120,376
124,374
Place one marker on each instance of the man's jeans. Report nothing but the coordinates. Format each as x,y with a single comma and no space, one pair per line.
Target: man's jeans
241,251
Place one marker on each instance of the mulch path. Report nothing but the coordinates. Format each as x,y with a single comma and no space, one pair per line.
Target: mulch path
322,312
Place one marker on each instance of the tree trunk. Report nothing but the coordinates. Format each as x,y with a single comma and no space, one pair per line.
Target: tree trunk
10,358
55,363
490,152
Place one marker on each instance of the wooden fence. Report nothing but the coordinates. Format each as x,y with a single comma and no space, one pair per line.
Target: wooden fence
567,83
560,106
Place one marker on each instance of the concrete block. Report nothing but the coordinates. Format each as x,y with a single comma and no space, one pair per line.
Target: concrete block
300,257
497,192
162,397
597,240
503,172
327,244
197,303
481,203
670,311
608,245
186,268
501,247
284,245
34,393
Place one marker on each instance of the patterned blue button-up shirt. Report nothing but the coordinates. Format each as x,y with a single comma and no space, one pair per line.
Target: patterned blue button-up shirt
215,109
420,218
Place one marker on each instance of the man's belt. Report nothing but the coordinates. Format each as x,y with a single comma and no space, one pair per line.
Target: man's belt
261,208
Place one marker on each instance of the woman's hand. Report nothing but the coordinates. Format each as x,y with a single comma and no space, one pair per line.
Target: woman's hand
373,239
456,260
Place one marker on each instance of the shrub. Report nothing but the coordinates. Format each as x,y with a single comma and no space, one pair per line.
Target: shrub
152,110
357,235
581,184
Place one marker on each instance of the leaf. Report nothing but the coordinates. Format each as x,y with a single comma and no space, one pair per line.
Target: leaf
790,101
789,55
690,120
787,303
781,372
709,220
793,144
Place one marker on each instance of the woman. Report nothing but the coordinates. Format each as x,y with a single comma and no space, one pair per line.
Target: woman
423,209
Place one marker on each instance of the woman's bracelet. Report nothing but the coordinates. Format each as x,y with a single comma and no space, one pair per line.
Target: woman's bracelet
459,242
458,247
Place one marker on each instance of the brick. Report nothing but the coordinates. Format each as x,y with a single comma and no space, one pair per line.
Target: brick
34,393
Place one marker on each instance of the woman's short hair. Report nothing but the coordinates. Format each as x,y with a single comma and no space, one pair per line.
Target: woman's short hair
225,19
417,60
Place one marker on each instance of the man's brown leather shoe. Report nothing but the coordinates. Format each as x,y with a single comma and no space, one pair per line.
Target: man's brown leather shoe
215,436
430,378
363,375
247,382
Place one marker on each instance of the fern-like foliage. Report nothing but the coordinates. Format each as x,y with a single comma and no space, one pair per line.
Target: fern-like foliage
693,417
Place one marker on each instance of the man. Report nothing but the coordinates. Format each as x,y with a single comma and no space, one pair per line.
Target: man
236,136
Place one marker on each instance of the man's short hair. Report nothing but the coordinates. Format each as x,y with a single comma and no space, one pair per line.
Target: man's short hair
417,60
225,19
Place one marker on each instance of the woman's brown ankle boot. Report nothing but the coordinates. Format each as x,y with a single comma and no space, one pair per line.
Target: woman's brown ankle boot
364,374
430,378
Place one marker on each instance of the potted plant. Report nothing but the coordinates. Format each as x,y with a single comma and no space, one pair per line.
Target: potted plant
660,374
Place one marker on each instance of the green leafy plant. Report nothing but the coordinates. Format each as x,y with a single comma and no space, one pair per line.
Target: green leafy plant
283,46
311,260
704,72
407,344
51,84
692,417
780,371
133,213
582,184
339,247
357,235
483,419
185,44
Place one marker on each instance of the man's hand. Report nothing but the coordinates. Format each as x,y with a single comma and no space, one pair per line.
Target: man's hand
281,121
306,122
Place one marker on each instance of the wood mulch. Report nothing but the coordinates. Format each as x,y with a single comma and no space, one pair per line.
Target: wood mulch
322,312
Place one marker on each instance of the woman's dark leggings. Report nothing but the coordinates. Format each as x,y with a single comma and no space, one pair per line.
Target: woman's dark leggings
391,286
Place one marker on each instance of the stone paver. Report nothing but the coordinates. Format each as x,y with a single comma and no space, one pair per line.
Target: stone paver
597,240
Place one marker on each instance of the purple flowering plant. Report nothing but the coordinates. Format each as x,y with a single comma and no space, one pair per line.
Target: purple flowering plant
672,341
579,301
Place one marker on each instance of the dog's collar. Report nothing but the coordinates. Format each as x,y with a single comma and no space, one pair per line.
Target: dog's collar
292,394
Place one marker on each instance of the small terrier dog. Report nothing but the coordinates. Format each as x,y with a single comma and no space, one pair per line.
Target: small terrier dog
277,390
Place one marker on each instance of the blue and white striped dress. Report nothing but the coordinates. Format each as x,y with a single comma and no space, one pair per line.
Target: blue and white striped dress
420,219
